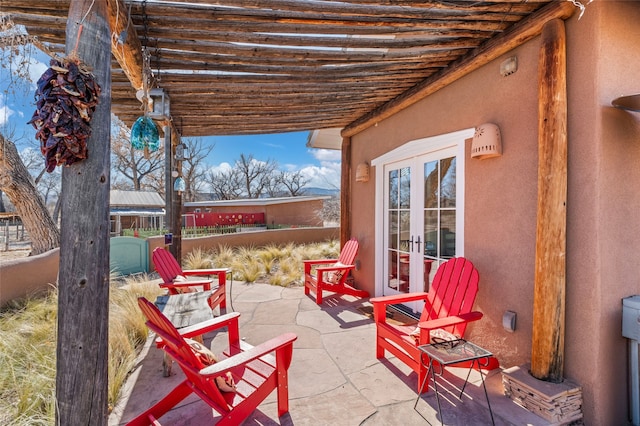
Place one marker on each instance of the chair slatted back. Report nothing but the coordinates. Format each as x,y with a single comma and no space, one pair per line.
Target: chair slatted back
167,266
453,292
349,252
181,352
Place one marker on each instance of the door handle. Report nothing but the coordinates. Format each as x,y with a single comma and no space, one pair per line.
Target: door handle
411,244
418,243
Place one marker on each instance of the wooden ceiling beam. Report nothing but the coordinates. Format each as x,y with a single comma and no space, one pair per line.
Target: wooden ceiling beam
324,12
452,40
529,28
125,44
340,27
260,52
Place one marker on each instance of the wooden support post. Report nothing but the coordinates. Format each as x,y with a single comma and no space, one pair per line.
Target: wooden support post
345,192
547,356
83,281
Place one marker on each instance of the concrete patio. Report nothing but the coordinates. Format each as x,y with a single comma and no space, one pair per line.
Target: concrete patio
334,378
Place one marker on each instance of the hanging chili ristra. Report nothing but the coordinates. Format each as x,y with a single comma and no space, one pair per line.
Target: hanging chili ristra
66,97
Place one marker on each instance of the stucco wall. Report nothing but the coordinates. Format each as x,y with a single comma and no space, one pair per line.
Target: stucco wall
501,197
306,213
251,239
28,276
34,274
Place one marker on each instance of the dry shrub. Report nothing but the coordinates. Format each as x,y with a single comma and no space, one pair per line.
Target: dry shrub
28,350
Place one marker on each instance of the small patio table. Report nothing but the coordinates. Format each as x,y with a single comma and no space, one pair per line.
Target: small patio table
452,352
183,310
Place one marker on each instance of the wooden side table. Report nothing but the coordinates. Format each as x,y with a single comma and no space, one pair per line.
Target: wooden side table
183,310
453,352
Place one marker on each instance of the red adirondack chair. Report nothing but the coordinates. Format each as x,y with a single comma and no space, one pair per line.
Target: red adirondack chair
333,276
257,371
174,278
447,307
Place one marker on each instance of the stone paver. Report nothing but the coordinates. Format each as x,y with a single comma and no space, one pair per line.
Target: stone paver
334,378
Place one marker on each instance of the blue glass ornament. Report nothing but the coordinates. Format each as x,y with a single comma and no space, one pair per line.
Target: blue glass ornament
179,185
144,133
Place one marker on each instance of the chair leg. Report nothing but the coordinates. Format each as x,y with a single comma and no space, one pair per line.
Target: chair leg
283,392
379,349
172,399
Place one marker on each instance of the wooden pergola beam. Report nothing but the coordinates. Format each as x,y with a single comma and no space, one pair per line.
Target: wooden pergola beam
125,44
547,352
529,28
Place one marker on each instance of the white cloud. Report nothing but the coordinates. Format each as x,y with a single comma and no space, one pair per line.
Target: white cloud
36,69
326,154
222,167
325,176
5,111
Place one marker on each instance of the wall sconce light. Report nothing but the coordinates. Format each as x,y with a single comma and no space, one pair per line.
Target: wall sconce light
159,104
362,172
630,103
487,142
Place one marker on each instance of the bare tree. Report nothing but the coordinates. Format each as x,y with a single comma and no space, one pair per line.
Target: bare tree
194,169
256,175
225,185
293,183
131,169
330,211
17,183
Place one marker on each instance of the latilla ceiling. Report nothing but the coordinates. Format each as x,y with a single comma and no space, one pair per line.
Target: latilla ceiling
256,66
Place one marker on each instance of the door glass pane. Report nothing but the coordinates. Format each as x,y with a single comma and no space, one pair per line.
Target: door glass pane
431,184
448,182
431,233
405,188
393,230
393,189
393,269
448,233
405,247
440,209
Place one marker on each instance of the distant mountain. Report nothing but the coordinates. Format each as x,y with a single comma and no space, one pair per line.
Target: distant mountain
321,191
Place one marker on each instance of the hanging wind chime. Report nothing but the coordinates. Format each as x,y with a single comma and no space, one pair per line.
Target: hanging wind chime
144,132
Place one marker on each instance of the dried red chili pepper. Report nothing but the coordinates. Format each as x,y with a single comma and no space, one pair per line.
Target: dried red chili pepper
66,97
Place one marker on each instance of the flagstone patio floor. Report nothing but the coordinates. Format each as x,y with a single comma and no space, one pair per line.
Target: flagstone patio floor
334,379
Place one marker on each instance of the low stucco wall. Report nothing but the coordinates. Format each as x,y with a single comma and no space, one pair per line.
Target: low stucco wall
29,275
251,239
34,274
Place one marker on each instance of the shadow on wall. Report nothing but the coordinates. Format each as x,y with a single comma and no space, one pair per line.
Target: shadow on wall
34,274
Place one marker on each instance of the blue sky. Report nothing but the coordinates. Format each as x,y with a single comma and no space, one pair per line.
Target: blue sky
320,167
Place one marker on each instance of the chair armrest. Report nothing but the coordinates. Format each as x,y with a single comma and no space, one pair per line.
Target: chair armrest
200,272
449,321
399,298
244,357
308,264
335,268
319,261
210,325
380,303
206,284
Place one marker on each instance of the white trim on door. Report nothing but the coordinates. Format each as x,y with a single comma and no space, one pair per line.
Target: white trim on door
409,150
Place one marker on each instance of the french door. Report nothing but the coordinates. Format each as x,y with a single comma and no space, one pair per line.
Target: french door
421,216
